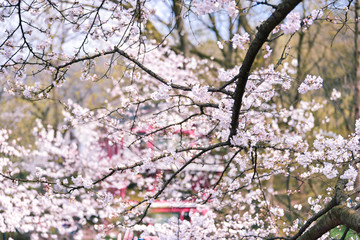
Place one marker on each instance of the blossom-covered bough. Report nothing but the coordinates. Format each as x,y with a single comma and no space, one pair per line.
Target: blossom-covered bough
155,119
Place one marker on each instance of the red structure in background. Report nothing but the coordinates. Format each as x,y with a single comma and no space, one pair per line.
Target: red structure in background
117,192
161,211
111,150
183,212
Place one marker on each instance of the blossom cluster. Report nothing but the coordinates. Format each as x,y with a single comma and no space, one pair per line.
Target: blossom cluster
239,41
210,6
311,82
292,24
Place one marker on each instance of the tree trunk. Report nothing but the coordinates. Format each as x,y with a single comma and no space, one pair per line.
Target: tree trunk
339,215
260,38
357,75
177,8
357,67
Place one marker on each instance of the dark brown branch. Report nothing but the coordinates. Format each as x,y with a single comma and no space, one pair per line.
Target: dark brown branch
159,78
263,32
347,228
196,156
14,179
138,164
323,211
337,199
222,174
339,215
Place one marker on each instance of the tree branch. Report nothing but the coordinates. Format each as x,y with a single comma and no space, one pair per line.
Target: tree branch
261,36
339,215
328,221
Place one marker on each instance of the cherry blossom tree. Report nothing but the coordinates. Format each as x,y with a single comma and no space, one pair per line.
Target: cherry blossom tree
168,124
